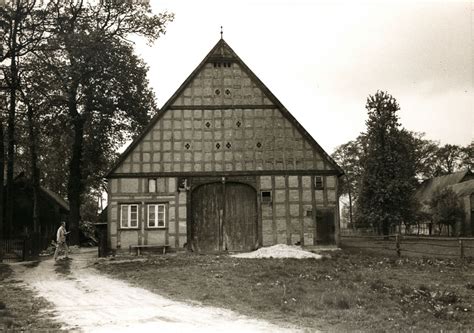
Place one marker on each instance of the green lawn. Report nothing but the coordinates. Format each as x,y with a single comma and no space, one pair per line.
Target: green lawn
348,291
20,310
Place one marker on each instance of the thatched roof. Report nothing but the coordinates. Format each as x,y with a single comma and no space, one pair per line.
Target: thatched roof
426,190
56,198
22,180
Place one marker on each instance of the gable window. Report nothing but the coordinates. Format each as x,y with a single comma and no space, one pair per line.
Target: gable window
129,216
266,196
151,185
318,183
156,216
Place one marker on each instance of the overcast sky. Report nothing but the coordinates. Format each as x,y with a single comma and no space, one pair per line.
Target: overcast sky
322,59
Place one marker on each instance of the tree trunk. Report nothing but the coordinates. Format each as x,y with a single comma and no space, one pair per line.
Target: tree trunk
385,229
350,209
2,170
13,85
10,151
33,141
75,183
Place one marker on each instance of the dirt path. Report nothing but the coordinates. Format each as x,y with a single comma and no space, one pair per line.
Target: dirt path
86,301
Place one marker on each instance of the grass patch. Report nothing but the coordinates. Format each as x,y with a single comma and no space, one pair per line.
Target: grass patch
348,292
20,310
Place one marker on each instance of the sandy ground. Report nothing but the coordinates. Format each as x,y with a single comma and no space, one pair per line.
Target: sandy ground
279,251
85,300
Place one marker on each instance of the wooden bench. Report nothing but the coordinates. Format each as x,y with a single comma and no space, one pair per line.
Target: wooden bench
137,247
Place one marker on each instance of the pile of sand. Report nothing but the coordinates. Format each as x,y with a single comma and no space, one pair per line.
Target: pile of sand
279,251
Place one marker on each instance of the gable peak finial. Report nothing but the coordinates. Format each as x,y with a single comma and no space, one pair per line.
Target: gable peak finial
222,32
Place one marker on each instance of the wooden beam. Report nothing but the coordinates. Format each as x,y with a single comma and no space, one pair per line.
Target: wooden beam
225,173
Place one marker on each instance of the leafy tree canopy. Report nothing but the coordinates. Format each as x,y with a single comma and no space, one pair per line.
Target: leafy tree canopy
388,177
446,208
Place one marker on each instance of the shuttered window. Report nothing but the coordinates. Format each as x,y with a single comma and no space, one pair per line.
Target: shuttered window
318,183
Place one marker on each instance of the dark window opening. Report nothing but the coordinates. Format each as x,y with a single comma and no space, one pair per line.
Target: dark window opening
259,145
217,91
187,146
182,184
228,145
218,145
208,124
318,183
225,64
266,196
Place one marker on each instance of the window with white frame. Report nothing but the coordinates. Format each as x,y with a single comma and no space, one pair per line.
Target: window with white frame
129,216
156,215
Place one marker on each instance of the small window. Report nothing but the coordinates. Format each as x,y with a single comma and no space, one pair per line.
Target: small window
129,216
266,196
151,185
156,216
318,183
182,184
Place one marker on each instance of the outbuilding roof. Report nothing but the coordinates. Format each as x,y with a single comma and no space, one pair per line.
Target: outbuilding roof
426,190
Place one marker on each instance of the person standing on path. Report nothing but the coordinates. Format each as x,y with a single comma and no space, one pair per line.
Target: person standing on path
61,240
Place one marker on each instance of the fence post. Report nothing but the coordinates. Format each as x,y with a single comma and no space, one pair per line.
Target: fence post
461,249
397,244
23,255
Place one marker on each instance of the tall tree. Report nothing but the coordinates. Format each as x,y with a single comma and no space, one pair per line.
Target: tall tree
348,156
425,155
448,159
2,173
467,156
388,178
21,23
101,83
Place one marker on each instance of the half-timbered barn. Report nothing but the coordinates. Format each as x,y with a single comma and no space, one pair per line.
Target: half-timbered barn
223,166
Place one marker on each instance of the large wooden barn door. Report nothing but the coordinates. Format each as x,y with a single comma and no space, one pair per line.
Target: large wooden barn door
240,224
224,219
207,209
325,226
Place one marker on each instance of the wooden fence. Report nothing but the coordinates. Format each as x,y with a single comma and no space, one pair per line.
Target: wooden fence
22,249
403,245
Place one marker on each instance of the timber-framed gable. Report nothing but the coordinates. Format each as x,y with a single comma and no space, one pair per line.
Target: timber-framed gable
216,145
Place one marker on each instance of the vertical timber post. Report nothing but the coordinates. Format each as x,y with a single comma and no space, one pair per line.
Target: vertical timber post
461,249
222,243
